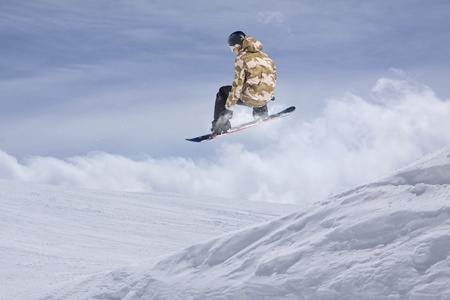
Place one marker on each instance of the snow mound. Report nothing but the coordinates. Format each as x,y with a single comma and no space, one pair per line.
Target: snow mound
385,240
53,235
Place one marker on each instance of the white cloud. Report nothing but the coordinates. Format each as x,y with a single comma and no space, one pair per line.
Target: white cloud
107,73
271,18
352,142
276,19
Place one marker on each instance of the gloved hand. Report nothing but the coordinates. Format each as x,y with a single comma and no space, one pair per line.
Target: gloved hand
222,124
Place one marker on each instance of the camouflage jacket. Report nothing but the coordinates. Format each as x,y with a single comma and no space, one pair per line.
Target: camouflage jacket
254,78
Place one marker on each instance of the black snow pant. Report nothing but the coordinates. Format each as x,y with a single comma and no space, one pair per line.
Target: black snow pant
221,100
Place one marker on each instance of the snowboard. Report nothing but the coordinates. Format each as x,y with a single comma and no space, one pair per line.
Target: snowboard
211,136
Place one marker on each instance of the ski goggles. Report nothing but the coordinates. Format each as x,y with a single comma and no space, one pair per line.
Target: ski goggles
235,48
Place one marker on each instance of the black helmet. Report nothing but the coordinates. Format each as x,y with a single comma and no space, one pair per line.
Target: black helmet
236,37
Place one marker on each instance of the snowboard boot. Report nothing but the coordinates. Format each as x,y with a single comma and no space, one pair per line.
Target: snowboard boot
222,124
220,127
260,113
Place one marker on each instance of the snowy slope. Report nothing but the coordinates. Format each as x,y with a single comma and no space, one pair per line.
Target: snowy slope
386,240
51,235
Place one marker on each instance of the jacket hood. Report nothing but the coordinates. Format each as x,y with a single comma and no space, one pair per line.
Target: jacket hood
251,45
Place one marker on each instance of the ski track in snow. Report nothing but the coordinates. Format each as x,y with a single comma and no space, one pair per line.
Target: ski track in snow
389,239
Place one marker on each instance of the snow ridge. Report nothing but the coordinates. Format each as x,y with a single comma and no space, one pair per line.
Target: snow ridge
385,240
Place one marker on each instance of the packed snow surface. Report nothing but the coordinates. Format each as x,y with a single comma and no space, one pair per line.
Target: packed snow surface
389,239
52,235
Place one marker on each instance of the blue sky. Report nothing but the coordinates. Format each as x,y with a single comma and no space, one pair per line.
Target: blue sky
135,78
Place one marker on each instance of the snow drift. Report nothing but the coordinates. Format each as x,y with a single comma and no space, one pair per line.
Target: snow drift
53,235
389,239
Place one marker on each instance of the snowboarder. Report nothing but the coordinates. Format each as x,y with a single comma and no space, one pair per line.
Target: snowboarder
253,85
